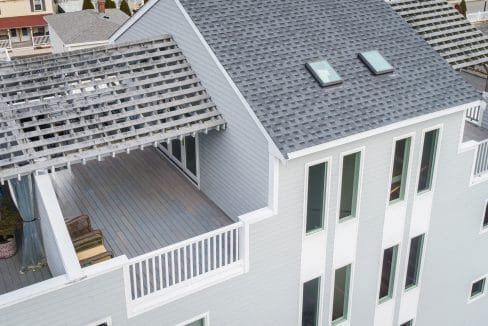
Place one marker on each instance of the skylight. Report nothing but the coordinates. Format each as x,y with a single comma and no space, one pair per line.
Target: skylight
375,62
324,73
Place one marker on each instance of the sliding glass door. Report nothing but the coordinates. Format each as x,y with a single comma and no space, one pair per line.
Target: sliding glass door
184,153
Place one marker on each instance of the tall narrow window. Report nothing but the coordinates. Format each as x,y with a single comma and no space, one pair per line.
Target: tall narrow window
176,149
485,218
310,306
341,293
317,175
414,261
477,288
428,160
388,273
349,185
400,167
191,154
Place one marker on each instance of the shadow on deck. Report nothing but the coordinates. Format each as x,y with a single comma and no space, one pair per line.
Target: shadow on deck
474,132
140,201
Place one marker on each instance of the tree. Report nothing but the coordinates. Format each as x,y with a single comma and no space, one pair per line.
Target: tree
110,4
125,8
87,4
462,8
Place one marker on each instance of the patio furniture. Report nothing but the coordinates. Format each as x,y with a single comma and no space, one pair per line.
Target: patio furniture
88,242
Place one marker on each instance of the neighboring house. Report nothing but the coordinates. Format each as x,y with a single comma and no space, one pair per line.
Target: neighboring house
84,29
274,162
22,23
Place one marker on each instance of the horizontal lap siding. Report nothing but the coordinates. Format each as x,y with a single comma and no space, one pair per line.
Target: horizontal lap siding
233,163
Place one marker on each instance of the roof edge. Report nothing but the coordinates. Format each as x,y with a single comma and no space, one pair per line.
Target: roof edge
373,132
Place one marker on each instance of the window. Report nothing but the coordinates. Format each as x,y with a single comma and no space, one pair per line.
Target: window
477,288
375,62
341,293
408,323
37,5
388,273
176,149
485,218
323,72
349,185
414,261
400,168
428,160
13,32
310,306
190,153
199,322
317,175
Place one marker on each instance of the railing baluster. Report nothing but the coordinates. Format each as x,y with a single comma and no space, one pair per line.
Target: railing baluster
209,257
134,282
214,240
154,273
185,265
141,286
160,266
166,269
191,260
231,246
173,281
225,248
148,279
197,258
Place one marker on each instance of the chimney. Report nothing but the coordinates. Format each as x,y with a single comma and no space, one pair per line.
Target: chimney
101,6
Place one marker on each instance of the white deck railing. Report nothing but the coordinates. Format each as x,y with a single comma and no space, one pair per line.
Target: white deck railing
154,274
473,114
5,44
477,16
40,40
481,160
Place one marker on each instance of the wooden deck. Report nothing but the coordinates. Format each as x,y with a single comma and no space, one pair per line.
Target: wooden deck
140,201
11,279
474,132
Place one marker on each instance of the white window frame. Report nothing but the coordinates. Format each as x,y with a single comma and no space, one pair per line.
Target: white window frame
205,316
107,320
436,159
484,228
409,171
338,322
361,150
482,294
328,162
39,3
379,300
180,165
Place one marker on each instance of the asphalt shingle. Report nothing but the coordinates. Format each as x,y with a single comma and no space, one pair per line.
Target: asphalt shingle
264,46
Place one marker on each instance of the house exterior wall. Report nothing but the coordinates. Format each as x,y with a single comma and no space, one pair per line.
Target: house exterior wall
56,42
269,294
234,163
14,8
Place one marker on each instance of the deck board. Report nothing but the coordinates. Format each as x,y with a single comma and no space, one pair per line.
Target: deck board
11,279
140,201
474,132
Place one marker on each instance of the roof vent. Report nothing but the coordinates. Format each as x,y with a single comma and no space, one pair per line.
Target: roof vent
324,73
375,62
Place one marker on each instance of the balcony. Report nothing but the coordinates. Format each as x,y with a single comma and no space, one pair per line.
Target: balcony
140,202
476,136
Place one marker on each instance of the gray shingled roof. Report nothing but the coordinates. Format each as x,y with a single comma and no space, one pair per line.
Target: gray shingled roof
446,30
66,108
264,46
86,25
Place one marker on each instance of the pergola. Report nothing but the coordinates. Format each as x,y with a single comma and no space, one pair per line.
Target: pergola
67,108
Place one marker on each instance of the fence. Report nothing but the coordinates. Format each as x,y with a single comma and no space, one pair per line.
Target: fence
40,40
477,16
